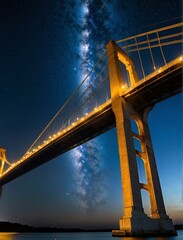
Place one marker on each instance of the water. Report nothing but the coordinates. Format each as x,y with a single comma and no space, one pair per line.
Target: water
78,236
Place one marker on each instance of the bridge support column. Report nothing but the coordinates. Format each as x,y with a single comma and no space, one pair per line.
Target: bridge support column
134,221
134,216
2,159
2,162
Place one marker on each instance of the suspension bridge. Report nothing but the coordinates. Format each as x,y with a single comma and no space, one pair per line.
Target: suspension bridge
130,77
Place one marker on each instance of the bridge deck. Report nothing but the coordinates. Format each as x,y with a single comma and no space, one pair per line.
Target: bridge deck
157,87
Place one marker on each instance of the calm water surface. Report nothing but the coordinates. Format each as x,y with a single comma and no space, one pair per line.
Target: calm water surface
77,236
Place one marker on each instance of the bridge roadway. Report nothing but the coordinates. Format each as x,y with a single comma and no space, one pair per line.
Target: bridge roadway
158,86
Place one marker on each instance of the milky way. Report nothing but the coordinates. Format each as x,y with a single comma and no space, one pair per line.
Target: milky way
87,158
89,21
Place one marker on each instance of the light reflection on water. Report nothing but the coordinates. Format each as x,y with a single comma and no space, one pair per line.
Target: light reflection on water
7,236
78,236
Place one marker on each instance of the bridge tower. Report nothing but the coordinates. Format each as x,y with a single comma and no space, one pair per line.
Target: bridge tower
2,160
134,221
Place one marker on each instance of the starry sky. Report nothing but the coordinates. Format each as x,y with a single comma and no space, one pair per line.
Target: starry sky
46,47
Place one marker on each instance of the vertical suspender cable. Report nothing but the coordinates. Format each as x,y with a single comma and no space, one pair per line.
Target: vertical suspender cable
142,68
154,66
163,56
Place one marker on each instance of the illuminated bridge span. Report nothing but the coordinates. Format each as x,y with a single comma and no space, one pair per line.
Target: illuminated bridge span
128,79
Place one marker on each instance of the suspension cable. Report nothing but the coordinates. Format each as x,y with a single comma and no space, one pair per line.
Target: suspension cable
67,101
131,49
86,100
151,32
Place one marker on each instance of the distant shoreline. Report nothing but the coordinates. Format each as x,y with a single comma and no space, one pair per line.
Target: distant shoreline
17,227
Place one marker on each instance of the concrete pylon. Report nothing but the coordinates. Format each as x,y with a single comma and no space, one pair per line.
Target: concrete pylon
134,221
2,159
2,162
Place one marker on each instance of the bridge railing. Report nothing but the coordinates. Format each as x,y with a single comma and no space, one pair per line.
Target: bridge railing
153,49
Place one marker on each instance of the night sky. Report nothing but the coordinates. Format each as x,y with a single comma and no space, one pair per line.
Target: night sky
45,47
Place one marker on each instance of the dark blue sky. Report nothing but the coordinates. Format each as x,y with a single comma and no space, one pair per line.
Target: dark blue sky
41,64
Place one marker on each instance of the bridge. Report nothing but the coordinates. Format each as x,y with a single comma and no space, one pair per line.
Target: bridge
129,78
